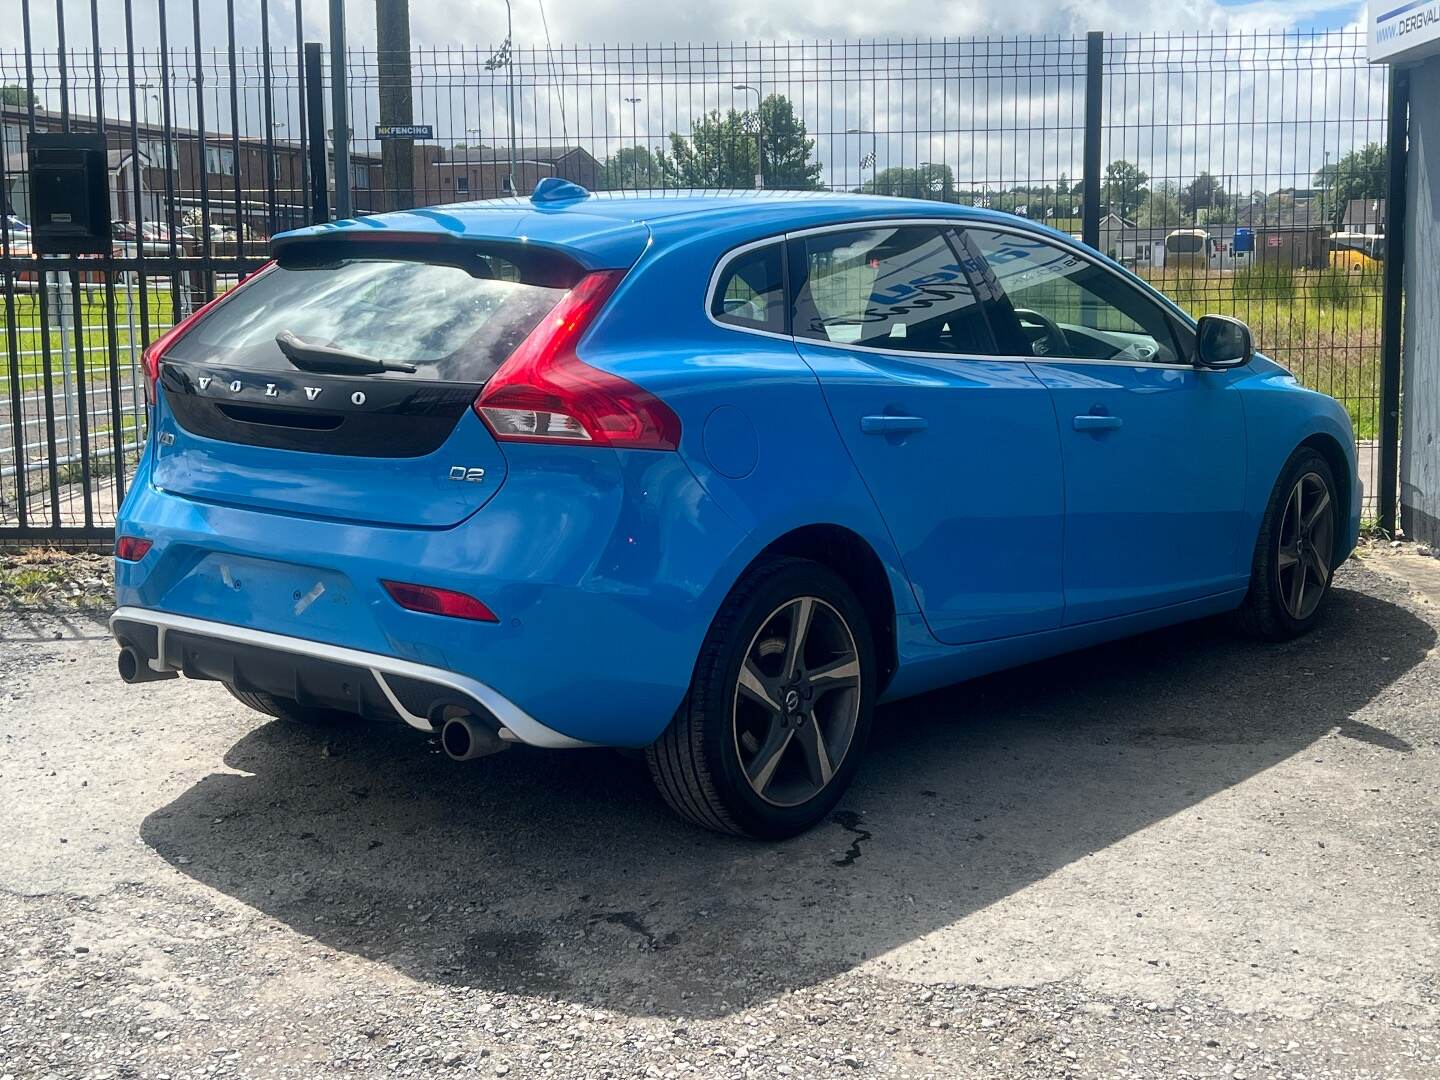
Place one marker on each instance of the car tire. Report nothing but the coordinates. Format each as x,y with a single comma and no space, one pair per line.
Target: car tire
283,708
1298,535
768,756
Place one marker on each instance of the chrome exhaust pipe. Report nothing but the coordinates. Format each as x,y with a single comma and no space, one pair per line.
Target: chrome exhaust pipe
464,738
135,667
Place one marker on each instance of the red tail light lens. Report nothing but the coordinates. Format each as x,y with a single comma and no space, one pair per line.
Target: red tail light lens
545,393
434,601
132,548
155,351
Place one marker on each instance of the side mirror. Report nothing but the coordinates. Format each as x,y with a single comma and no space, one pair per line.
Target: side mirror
1222,342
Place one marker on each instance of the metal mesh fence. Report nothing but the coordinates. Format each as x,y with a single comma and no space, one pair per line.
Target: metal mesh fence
1240,173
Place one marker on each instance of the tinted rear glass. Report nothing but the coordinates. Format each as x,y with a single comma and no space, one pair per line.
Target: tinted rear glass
453,326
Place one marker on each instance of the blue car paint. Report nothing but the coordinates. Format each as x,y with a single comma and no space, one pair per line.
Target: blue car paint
422,495
606,567
1181,438
969,587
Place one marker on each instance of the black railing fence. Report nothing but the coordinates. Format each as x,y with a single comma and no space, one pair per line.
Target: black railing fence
1242,173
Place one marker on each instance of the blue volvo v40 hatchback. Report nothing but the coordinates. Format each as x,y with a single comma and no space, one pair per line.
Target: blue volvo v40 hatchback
709,475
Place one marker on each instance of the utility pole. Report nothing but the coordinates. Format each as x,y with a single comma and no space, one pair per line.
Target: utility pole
392,45
510,90
340,109
504,57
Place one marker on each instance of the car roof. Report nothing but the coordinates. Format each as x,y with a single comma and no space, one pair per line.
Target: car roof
604,230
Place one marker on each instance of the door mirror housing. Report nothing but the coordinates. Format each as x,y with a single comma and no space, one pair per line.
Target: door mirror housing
1222,342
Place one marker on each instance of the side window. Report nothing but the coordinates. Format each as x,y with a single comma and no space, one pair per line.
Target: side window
1069,308
751,290
894,287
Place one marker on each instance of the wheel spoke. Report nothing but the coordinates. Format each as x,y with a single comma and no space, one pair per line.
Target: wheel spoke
762,767
754,684
1297,591
1321,505
792,727
839,673
1316,566
817,757
804,609
1289,556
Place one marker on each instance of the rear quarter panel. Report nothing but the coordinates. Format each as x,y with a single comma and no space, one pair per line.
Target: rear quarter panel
733,390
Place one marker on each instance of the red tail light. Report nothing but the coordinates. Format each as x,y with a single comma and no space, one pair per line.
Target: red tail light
545,393
434,601
132,548
155,351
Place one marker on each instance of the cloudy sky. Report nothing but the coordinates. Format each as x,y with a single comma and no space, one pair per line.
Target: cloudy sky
447,22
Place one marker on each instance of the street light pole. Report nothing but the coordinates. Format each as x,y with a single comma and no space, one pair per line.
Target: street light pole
874,158
759,146
634,103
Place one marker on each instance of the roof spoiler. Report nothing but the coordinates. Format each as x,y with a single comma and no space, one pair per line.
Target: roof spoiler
536,264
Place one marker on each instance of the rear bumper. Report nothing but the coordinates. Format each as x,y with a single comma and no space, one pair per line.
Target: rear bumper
319,674
603,568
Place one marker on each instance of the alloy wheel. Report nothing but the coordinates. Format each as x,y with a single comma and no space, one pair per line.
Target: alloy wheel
1307,541
797,701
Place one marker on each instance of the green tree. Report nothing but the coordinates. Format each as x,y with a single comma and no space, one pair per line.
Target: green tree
1203,194
926,182
11,94
1064,200
720,151
1161,206
1124,187
635,168
1360,174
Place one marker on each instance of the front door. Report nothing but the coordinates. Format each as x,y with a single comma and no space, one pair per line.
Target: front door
959,450
1154,447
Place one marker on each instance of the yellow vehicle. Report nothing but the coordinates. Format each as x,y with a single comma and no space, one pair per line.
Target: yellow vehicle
1356,251
1193,248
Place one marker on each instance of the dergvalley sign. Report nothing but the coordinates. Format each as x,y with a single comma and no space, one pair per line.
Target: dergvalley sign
1403,30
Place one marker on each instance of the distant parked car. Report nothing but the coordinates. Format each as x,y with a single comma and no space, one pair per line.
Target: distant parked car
1191,248
705,474
1356,251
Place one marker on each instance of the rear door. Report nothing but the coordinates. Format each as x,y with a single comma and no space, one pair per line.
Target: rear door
243,423
1154,447
959,450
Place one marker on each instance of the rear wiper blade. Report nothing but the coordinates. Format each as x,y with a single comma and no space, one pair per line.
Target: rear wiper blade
322,359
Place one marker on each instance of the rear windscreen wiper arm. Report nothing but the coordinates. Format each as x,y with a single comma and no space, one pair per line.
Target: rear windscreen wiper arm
324,360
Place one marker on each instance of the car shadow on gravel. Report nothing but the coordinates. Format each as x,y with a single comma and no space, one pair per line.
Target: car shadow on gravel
561,872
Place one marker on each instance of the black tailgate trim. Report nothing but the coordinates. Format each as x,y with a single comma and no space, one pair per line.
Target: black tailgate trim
355,416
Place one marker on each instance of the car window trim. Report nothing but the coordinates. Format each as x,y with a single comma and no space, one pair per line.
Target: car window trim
724,264
959,223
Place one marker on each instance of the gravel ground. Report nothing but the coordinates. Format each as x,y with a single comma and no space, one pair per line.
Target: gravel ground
1182,855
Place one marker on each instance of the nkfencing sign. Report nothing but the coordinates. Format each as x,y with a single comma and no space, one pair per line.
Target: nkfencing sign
416,131
1403,30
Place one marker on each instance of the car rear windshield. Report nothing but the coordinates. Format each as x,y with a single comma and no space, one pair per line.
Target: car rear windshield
452,325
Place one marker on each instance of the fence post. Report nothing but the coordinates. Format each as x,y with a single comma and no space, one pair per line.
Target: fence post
1094,91
1396,152
315,125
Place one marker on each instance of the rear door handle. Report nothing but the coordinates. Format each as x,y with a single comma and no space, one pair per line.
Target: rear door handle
1098,423
892,425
